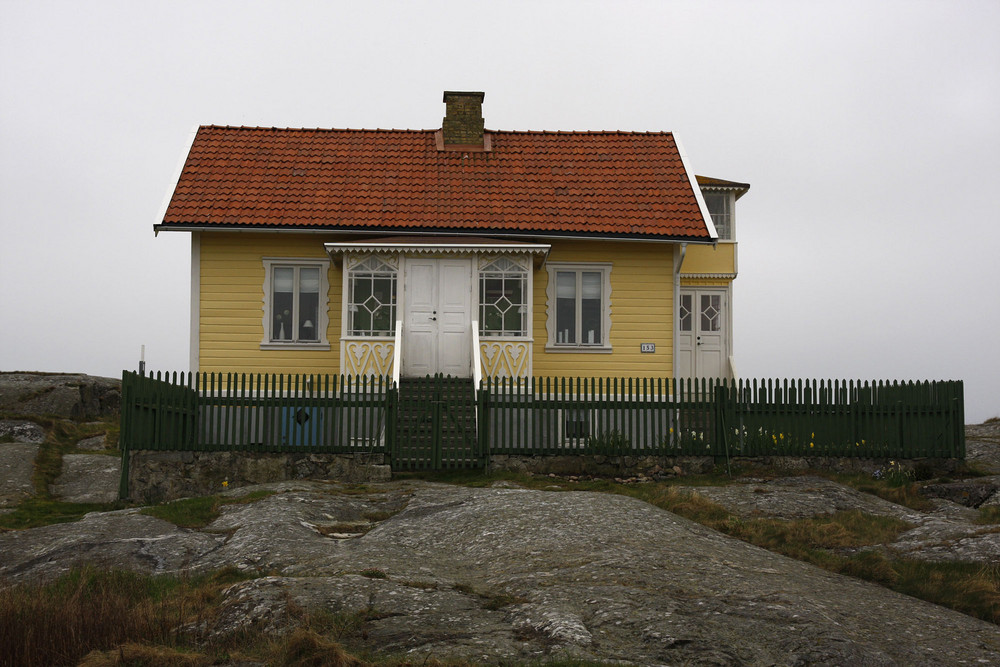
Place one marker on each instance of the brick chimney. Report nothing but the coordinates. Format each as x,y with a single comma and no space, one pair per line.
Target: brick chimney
462,127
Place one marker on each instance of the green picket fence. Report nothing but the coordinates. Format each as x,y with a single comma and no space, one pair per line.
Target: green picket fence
262,413
639,416
542,416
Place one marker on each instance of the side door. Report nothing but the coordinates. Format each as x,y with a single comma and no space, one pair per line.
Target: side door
702,335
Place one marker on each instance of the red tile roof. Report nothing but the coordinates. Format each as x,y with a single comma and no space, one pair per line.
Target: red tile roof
601,183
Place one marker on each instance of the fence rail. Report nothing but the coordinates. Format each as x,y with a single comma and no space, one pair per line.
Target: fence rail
550,416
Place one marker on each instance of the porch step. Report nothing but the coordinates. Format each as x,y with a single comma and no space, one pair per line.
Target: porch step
433,407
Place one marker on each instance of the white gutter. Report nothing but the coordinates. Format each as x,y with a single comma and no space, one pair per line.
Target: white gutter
414,232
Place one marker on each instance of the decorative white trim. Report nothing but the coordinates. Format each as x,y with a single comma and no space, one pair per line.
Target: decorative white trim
719,276
195,333
437,248
697,190
324,303
550,304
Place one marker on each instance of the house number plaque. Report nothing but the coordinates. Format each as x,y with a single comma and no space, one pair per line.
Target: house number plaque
647,347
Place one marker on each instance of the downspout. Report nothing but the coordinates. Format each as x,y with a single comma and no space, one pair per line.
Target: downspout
679,254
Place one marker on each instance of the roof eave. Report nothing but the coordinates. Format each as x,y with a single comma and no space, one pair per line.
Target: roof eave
386,231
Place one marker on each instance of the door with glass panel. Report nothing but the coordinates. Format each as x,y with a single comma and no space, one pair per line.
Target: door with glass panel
702,333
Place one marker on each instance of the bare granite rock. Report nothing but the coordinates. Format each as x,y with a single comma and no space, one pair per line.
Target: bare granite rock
17,463
504,575
88,478
67,395
22,430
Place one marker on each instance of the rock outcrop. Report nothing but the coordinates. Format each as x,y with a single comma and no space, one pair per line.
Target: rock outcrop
70,396
501,575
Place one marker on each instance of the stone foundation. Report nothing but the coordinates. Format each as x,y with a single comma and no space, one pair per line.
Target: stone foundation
155,476
619,466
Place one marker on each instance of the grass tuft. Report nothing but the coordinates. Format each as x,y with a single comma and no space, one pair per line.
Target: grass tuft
199,512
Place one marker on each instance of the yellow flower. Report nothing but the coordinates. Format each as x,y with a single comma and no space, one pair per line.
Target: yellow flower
782,436
811,445
814,435
225,483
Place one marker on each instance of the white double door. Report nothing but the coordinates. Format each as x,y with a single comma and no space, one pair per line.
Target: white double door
437,324
703,333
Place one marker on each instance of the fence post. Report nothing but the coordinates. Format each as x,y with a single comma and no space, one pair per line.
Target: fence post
125,432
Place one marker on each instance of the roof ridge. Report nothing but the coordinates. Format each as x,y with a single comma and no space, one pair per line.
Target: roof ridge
265,128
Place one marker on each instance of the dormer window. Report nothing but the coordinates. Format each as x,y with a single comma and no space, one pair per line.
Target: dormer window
720,206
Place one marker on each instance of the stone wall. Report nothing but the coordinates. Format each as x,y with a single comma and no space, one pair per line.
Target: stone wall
156,476
617,466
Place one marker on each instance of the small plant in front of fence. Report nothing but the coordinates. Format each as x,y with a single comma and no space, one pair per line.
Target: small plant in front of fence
609,443
894,474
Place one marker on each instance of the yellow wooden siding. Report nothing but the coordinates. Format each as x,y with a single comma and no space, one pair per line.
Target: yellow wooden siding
641,311
720,258
232,293
231,304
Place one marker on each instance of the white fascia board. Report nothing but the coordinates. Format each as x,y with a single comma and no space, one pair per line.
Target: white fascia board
173,182
697,190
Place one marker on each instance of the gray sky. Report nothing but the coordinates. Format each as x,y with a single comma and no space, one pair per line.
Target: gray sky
869,131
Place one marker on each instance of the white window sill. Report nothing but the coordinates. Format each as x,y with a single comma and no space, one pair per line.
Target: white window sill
585,349
295,346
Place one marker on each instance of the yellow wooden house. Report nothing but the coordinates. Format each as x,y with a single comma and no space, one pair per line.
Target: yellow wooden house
460,250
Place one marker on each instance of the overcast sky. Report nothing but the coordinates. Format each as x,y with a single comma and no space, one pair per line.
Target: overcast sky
869,132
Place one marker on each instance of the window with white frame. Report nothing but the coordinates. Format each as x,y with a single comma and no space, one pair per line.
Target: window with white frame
295,302
371,306
579,306
503,299
720,206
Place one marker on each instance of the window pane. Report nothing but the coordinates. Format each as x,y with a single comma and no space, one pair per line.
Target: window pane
711,312
281,322
309,280
591,285
566,320
309,316
512,322
284,279
565,285
361,291
686,318
361,322
590,320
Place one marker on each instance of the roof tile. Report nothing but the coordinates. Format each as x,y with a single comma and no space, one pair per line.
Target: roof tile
624,183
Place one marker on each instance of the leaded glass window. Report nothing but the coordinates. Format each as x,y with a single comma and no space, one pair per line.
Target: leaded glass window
372,299
503,299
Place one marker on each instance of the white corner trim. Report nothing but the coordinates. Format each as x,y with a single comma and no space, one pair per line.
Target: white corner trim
173,182
697,190
195,344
